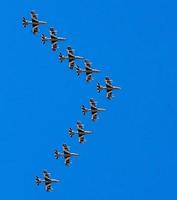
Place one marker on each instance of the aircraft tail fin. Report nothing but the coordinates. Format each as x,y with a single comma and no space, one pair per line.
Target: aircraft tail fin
71,132
61,57
37,180
57,154
43,39
84,110
24,22
99,87
78,70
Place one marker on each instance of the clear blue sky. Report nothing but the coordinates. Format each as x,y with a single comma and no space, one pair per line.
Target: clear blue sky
132,154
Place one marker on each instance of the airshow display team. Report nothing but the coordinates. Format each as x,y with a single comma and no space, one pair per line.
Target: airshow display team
89,71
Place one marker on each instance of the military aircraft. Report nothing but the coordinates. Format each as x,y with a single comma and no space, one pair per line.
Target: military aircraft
109,88
47,181
70,57
80,131
93,109
88,70
34,22
53,38
66,154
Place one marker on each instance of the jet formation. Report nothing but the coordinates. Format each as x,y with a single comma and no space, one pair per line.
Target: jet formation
89,71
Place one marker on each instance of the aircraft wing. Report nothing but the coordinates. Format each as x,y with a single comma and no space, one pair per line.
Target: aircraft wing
80,125
87,65
54,46
65,148
88,70
46,175
35,29
48,187
52,31
109,94
70,51
67,160
88,76
94,115
108,82
71,57
71,62
81,138
54,38
35,22
66,154
92,104
34,15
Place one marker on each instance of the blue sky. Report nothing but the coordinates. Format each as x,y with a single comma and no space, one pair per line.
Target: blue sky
132,153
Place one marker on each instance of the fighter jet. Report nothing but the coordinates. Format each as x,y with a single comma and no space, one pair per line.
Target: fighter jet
70,57
66,154
109,88
47,181
88,70
93,109
34,22
80,131
53,38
